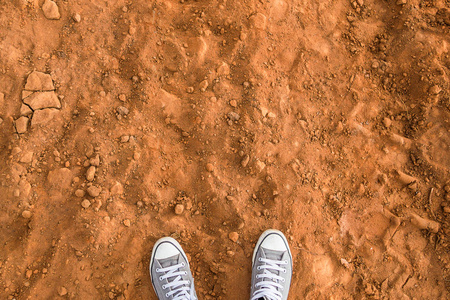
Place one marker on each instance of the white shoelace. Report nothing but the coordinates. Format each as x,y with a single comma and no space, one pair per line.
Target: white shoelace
181,289
269,289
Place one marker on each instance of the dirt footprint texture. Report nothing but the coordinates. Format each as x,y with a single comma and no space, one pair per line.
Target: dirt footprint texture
211,121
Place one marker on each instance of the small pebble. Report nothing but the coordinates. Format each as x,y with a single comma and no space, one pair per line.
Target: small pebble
233,103
51,10
203,85
271,115
234,236
124,138
117,189
260,165
233,116
79,193
127,223
209,167
90,173
122,97
62,291
179,208
94,191
86,203
245,160
26,214
121,110
95,161
77,18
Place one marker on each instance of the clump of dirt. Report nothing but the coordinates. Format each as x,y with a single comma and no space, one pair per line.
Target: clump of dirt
211,121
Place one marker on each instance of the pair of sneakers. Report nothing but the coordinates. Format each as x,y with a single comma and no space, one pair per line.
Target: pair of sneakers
271,269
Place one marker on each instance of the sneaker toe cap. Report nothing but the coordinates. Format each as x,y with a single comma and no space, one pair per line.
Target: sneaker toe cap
274,242
165,250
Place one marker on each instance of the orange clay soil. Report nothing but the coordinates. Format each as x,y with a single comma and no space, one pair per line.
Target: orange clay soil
211,121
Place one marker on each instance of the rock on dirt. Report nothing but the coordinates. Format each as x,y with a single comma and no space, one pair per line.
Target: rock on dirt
27,157
44,116
127,223
203,85
94,191
90,173
62,291
234,236
38,81
260,165
79,193
26,214
95,161
122,110
209,167
117,189
21,125
258,21
85,203
245,160
124,138
179,208
234,116
77,18
42,100
51,10
223,69
25,110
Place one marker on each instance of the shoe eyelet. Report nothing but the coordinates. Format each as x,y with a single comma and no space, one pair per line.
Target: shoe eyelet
164,286
258,268
285,261
259,259
158,269
160,278
185,273
189,282
283,280
284,271
183,264
257,276
167,295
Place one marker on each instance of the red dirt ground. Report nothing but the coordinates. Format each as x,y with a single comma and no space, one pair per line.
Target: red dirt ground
328,120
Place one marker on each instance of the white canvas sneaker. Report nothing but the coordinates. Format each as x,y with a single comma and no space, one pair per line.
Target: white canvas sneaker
170,272
272,267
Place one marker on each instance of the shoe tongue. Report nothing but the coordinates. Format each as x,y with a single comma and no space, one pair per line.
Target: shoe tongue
170,261
273,254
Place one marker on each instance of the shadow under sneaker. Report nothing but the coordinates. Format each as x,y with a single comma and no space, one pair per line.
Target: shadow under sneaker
271,267
170,273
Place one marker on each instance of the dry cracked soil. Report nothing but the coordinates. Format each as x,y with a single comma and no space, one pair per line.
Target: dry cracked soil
213,120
